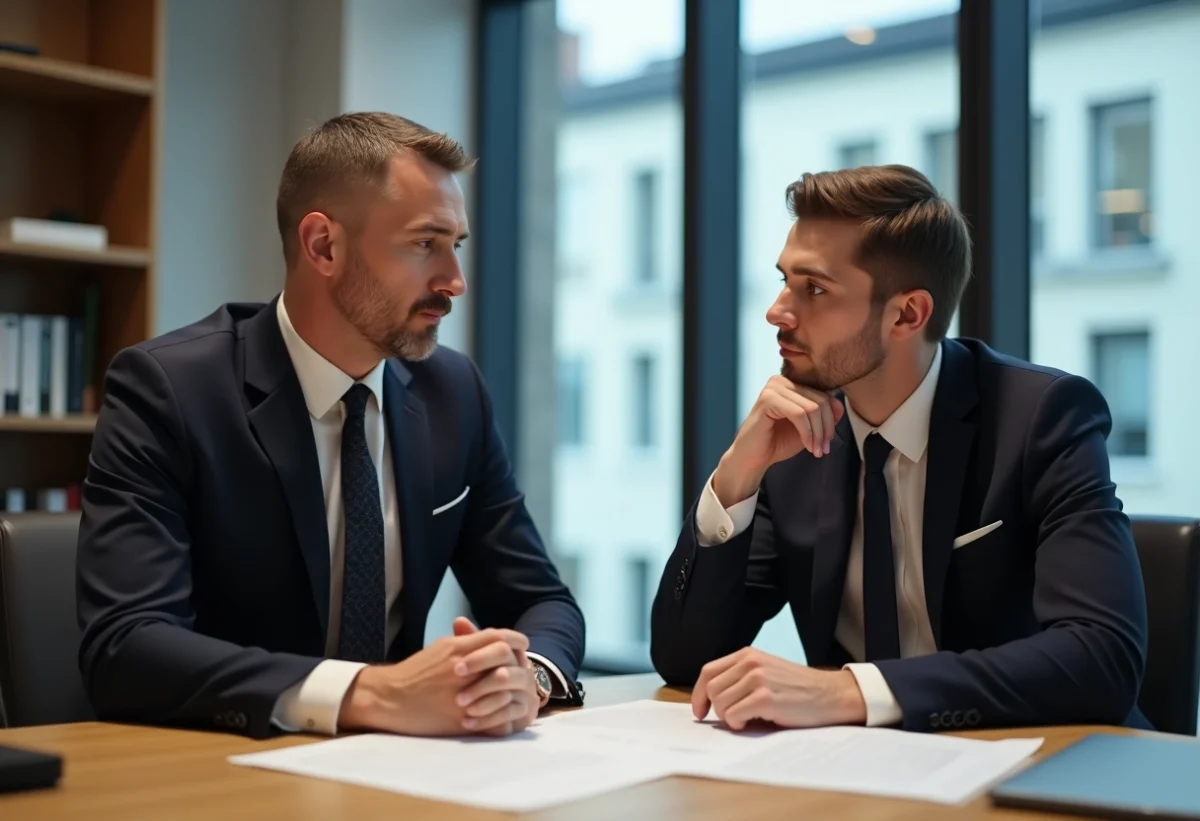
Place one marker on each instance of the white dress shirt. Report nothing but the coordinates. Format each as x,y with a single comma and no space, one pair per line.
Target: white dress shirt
313,704
907,429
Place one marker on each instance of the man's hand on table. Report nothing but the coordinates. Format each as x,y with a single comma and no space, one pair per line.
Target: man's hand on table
477,681
751,684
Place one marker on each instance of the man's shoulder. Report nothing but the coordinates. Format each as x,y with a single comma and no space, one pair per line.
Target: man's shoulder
1001,373
220,329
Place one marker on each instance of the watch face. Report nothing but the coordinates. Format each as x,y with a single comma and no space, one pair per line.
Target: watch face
542,677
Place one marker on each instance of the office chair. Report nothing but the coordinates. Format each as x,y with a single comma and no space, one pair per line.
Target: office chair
39,635
1169,550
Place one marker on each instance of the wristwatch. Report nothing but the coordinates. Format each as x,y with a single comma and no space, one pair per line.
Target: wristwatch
541,678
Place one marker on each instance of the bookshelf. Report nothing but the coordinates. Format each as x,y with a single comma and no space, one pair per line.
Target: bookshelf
79,131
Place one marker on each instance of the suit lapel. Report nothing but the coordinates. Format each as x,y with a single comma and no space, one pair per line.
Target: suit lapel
951,436
281,423
412,463
838,474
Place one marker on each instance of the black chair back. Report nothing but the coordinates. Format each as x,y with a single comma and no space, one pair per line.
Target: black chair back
1169,550
40,681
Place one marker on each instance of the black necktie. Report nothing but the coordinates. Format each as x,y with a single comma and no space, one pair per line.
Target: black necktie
364,600
879,570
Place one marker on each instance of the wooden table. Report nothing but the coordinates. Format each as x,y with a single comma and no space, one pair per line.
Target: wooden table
127,773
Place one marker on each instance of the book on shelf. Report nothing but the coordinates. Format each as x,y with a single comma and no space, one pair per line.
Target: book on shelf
48,499
56,232
44,365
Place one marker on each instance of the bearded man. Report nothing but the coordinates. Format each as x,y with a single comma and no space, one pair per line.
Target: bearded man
275,492
938,517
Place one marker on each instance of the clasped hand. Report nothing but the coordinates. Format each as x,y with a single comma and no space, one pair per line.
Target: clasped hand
478,681
751,685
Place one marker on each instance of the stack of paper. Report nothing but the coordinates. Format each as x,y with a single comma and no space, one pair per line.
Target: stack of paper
597,750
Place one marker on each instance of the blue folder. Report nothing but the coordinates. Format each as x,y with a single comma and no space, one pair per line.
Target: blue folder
1112,776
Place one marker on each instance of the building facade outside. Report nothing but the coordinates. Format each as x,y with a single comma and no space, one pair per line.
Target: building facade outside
1115,173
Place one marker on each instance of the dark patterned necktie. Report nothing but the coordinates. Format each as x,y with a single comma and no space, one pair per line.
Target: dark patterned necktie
364,599
880,625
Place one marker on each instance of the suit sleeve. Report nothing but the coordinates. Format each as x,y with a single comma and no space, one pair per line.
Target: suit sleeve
713,599
140,657
502,565
1086,663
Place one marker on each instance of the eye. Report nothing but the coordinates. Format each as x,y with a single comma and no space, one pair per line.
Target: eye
425,243
815,289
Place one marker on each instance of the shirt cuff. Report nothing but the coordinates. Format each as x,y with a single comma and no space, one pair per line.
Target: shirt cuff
313,704
882,708
715,524
559,687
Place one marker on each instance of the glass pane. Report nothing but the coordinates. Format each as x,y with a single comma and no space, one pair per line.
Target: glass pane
1116,272
615,487
824,80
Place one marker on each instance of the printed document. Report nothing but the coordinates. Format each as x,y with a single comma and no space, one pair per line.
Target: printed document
597,750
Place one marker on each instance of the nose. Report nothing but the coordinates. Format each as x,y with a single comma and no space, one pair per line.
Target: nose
780,313
453,283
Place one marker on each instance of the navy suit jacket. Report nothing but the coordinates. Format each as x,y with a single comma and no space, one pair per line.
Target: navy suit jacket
204,561
1041,621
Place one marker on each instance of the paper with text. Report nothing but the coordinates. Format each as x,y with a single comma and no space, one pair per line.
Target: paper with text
522,773
597,750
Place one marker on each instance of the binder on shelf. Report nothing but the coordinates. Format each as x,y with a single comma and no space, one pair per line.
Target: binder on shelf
31,364
59,365
10,362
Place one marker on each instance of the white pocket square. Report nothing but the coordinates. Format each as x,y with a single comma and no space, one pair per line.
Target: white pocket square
967,538
449,505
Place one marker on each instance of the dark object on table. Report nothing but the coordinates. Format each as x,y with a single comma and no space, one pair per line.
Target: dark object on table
1111,776
19,48
28,770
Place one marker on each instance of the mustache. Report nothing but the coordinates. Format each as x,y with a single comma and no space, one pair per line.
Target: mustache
789,341
433,302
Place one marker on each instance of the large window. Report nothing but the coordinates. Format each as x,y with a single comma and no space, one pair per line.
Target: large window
617,157
825,86
1116,274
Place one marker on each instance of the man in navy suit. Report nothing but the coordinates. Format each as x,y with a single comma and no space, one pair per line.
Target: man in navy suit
939,517
276,492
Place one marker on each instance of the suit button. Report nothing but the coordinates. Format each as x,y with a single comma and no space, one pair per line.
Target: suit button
935,720
947,719
678,593
219,720
241,720
685,564
959,719
973,717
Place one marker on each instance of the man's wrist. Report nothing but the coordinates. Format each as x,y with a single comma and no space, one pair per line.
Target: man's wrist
361,702
850,705
733,483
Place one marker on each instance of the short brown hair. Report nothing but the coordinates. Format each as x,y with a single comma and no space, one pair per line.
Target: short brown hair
913,238
347,151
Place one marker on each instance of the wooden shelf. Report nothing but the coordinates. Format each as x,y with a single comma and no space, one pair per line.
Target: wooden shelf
42,78
117,255
74,423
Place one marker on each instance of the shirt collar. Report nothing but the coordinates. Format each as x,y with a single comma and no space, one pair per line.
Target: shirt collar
323,383
907,429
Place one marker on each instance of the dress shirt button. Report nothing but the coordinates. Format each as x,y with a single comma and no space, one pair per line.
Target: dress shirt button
311,724
935,720
973,717
722,532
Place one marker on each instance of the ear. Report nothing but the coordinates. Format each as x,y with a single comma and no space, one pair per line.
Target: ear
316,234
910,313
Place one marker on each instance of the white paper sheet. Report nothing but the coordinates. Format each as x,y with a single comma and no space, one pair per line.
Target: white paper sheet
597,750
522,773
